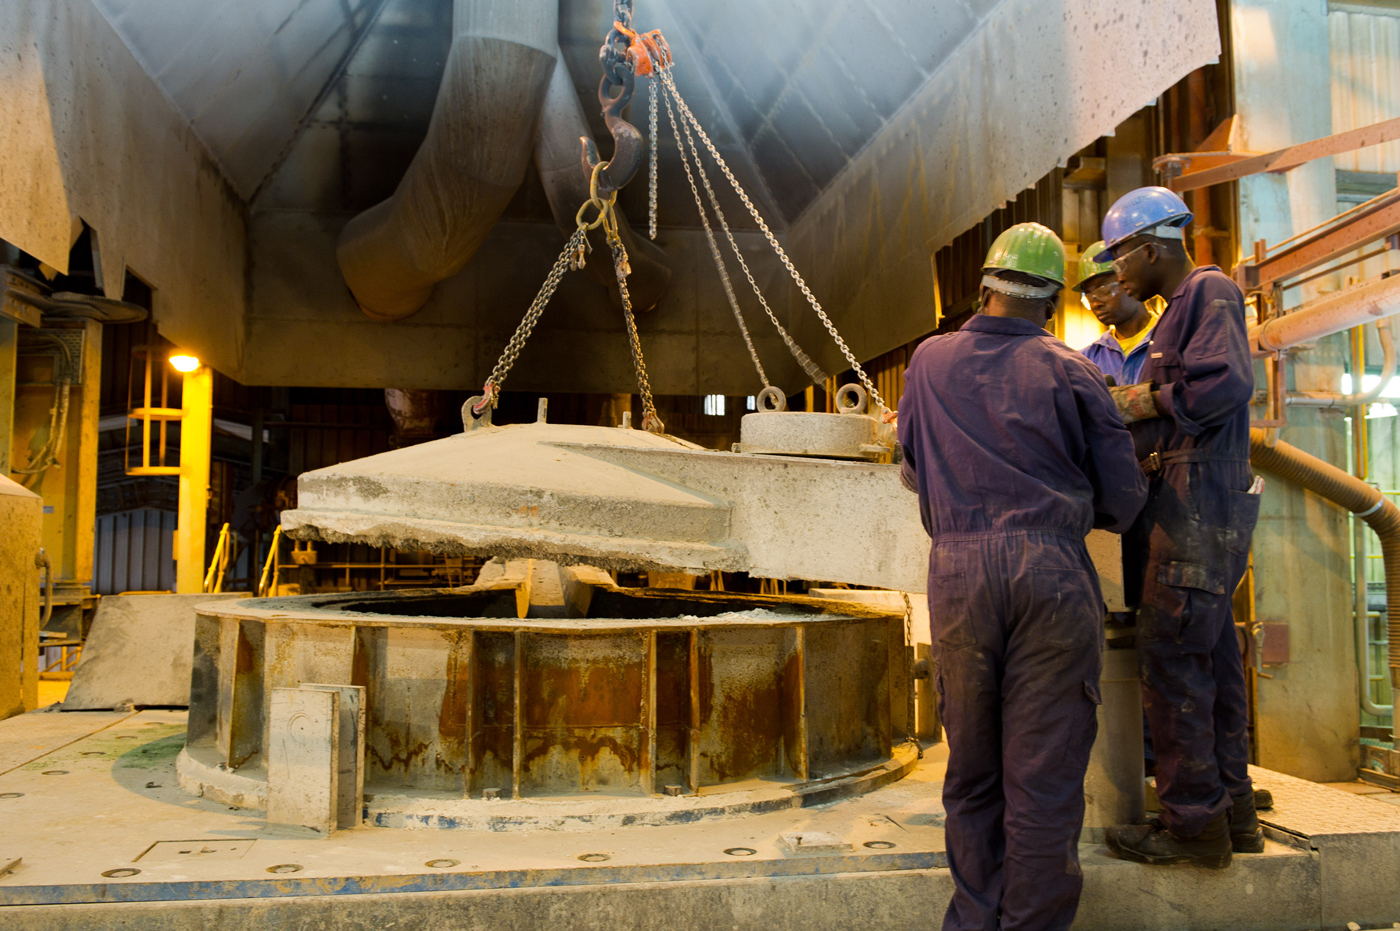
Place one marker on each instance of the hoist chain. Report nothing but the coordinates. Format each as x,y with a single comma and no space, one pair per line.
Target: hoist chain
651,421
653,88
810,367
714,246
910,706
773,241
568,259
573,257
616,67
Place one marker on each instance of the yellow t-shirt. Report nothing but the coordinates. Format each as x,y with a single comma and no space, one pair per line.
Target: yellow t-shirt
1129,343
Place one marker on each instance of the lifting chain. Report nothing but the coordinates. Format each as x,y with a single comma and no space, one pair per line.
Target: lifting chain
692,151
911,708
573,258
874,394
653,88
651,421
570,258
714,246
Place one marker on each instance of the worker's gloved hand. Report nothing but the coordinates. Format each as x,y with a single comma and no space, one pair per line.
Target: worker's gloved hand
1135,402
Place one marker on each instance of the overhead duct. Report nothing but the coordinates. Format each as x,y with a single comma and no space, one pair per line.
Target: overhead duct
1363,303
1356,496
562,123
471,163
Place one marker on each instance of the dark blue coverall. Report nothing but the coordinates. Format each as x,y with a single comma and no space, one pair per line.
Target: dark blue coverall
1189,549
1016,450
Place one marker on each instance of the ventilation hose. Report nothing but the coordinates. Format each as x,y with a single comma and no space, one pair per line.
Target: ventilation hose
1366,502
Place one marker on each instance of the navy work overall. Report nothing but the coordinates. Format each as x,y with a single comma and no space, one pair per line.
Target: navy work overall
1189,548
1016,450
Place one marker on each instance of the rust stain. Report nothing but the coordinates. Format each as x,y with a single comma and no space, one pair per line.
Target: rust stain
584,682
454,710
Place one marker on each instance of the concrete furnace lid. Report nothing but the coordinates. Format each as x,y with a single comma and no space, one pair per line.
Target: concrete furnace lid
530,490
622,499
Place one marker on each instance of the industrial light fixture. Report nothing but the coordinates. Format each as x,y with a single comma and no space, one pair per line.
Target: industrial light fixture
184,363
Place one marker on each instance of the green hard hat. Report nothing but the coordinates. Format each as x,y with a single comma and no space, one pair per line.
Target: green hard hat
1031,249
1088,268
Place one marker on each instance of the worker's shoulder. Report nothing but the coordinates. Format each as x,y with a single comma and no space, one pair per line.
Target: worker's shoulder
933,345
1074,360
1208,284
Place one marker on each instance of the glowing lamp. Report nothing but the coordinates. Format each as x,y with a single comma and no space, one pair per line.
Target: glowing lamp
183,363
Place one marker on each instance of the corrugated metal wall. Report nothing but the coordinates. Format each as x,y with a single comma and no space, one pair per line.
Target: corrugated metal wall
134,552
1365,53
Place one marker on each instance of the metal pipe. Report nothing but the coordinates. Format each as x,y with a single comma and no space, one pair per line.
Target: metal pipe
1361,615
471,163
1359,398
1352,307
1365,501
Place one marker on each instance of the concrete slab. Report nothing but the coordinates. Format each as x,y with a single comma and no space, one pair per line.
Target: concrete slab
139,651
117,800
303,762
1356,838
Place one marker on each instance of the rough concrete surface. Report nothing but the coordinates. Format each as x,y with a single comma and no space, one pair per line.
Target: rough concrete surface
140,650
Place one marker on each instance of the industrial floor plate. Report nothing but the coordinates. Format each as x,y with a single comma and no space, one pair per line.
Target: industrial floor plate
102,836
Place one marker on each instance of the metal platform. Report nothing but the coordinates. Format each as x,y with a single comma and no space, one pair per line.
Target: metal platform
103,838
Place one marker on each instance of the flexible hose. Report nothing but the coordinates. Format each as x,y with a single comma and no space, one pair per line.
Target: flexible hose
42,562
1366,502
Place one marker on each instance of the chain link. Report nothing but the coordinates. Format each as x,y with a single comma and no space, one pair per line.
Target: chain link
773,242
653,88
651,421
571,257
710,237
810,367
911,708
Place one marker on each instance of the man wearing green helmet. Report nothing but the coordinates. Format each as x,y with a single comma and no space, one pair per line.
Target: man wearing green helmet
1121,351
1016,450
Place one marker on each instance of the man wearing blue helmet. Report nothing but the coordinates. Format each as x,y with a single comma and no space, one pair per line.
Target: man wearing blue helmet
1187,551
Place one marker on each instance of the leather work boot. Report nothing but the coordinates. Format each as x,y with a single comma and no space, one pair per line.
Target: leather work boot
1263,799
1154,843
1245,834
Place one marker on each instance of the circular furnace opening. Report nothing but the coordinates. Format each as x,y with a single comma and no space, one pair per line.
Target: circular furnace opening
677,702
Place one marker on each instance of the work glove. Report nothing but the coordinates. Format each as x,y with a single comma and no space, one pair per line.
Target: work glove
1135,402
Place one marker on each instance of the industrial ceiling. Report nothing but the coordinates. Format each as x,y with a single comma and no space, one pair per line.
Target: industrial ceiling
868,132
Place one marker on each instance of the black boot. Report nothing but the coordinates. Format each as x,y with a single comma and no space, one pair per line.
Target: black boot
1245,834
1263,799
1155,843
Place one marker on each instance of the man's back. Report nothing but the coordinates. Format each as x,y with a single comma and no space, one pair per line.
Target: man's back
1005,428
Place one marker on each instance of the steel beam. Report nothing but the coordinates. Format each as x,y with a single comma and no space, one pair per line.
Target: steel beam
1285,159
1377,222
196,427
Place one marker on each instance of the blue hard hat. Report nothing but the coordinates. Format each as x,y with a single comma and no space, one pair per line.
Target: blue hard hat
1141,211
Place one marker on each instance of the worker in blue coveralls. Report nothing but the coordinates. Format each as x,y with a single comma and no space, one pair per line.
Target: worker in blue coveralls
1016,450
1183,558
1120,352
